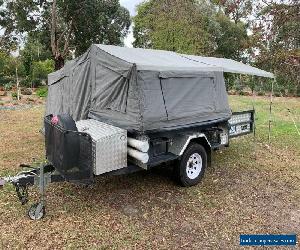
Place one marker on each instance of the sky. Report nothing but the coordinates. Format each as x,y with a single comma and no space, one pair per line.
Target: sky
130,5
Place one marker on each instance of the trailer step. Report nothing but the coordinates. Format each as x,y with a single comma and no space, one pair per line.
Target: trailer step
157,160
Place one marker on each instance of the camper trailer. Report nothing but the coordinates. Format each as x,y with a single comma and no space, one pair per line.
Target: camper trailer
117,110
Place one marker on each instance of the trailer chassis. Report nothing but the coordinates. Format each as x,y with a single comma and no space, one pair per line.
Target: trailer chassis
164,147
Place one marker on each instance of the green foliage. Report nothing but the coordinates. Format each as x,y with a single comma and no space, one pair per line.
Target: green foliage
14,95
33,51
40,70
241,92
182,26
96,21
7,86
233,38
235,10
77,26
16,17
192,27
42,92
280,43
213,28
8,67
26,82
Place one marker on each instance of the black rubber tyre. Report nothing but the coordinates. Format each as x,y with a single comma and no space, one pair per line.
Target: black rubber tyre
190,169
37,211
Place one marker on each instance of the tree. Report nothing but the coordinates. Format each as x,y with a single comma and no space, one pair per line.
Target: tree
10,67
33,51
236,10
40,70
279,42
14,20
108,23
64,24
192,26
233,39
5,68
184,26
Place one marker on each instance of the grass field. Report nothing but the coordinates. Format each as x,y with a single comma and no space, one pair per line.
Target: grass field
251,188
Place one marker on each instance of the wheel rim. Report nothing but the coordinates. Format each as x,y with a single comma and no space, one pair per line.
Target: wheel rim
194,166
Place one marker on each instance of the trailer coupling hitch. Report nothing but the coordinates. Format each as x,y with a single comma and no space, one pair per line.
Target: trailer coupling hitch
22,193
40,177
21,182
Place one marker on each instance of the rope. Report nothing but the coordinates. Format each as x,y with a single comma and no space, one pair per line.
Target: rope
298,131
253,107
290,112
270,111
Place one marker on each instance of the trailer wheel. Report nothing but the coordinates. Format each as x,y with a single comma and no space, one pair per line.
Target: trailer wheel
191,167
37,211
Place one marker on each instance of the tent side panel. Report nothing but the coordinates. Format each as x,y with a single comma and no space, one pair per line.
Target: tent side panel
68,88
54,98
71,93
152,101
178,100
189,97
115,97
222,104
79,93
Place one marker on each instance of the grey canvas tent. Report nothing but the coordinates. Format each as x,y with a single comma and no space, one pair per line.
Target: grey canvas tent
139,89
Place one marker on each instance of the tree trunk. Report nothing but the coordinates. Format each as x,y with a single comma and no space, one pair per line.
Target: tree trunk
18,84
58,55
59,62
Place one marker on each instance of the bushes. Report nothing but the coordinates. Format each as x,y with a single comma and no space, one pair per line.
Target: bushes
241,92
26,82
14,95
26,91
40,71
7,86
298,92
42,92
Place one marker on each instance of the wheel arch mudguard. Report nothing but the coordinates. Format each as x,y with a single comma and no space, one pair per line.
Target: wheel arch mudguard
180,143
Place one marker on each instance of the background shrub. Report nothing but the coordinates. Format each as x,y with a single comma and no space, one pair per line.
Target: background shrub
42,92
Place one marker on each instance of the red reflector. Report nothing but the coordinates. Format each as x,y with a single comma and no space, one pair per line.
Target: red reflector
54,120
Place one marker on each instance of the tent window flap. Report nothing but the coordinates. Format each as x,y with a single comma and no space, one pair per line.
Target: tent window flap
195,98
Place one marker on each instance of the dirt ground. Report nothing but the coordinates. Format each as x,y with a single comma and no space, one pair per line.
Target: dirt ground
252,188
7,100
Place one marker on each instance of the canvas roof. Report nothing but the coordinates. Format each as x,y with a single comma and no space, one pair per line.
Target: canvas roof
230,66
149,59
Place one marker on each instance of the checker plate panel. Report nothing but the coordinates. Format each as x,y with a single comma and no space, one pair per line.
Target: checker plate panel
109,145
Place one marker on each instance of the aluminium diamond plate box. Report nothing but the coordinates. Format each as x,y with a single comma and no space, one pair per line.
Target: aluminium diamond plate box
109,145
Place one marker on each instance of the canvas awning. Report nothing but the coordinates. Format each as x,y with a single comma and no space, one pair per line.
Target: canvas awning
230,66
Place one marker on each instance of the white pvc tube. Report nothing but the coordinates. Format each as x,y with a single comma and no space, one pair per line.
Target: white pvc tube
139,145
140,156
